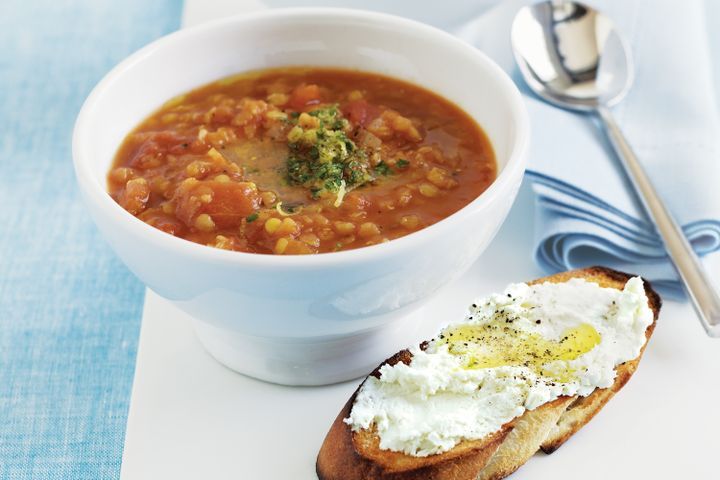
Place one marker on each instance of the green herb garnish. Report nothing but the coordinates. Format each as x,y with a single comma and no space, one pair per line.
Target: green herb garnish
382,168
323,159
402,163
252,217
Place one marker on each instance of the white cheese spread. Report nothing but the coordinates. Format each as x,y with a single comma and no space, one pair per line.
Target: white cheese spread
513,352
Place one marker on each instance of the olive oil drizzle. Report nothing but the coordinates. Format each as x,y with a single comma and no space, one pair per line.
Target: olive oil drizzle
498,344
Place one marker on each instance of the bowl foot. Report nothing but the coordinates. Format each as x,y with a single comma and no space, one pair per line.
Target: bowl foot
309,361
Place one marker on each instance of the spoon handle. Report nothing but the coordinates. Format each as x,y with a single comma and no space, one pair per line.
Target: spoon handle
704,297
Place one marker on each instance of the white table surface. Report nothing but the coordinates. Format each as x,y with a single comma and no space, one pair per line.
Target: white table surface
191,418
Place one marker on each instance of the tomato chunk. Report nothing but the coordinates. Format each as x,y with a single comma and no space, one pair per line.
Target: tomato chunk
360,112
356,112
305,95
227,203
164,222
134,197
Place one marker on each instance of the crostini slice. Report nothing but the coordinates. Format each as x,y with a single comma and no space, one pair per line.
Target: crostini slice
355,455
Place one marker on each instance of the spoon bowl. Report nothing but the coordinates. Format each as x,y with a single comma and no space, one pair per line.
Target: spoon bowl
571,55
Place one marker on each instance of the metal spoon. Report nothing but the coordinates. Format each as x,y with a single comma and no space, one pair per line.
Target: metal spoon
573,57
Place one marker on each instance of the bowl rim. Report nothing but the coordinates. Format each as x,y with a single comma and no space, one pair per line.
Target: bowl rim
98,194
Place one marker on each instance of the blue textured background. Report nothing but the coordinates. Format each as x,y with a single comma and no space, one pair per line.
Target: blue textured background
69,311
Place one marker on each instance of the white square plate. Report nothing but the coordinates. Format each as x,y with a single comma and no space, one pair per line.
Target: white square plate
191,418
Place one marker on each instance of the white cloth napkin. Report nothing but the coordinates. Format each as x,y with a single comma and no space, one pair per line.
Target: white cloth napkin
586,213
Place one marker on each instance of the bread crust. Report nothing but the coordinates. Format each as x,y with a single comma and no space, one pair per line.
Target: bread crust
349,455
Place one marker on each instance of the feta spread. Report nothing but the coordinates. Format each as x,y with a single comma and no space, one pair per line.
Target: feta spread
513,352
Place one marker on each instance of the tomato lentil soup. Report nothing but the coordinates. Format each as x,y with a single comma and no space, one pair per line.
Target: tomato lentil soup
301,160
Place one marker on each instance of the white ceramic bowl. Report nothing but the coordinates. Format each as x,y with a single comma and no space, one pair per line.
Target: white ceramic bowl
317,319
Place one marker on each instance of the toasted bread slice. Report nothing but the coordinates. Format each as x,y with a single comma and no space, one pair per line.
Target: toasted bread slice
349,455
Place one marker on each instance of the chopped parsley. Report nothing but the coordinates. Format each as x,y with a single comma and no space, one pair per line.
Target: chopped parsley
323,159
402,163
252,217
382,168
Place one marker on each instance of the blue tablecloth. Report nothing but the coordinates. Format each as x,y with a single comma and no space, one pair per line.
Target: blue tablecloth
69,310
